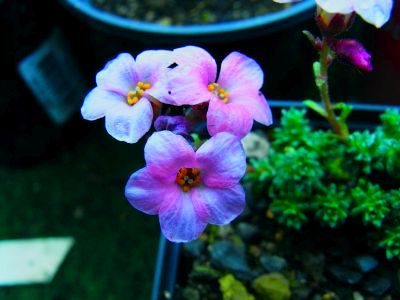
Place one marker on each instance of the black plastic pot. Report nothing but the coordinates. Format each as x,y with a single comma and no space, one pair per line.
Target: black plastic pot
273,40
363,116
219,32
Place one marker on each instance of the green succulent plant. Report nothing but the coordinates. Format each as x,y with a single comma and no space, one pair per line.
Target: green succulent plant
315,174
364,147
290,212
332,206
391,124
297,173
391,242
293,131
371,202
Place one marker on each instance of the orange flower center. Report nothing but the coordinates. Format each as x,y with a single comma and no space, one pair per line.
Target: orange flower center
220,92
188,178
135,95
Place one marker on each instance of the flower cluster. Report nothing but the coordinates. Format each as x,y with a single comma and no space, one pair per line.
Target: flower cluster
187,183
376,12
336,16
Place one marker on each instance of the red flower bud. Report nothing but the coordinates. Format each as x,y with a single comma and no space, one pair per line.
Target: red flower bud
352,52
332,24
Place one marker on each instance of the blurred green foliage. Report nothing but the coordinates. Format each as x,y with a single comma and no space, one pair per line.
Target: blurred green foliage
314,175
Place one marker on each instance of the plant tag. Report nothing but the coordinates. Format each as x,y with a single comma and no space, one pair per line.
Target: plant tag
52,74
31,261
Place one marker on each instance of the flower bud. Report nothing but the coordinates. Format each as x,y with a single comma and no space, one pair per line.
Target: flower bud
353,52
177,124
332,24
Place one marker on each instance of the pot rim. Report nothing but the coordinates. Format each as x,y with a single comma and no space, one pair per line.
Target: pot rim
279,19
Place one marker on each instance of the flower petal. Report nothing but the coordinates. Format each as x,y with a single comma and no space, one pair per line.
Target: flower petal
240,72
221,160
336,6
182,220
376,12
222,204
189,80
231,117
98,102
197,58
152,67
187,86
145,193
151,64
165,153
118,75
255,103
129,123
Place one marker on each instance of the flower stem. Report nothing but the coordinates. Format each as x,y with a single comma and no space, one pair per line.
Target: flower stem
324,91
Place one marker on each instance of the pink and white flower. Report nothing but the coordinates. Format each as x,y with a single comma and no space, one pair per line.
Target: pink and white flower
125,89
376,12
189,189
234,97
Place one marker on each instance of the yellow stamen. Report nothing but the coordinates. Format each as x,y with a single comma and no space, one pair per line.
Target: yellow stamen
132,98
220,92
188,178
135,95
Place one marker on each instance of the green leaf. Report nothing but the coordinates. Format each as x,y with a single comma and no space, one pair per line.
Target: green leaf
310,37
317,73
345,110
311,104
196,140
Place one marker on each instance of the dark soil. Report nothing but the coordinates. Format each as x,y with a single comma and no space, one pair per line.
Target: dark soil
320,263
175,12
